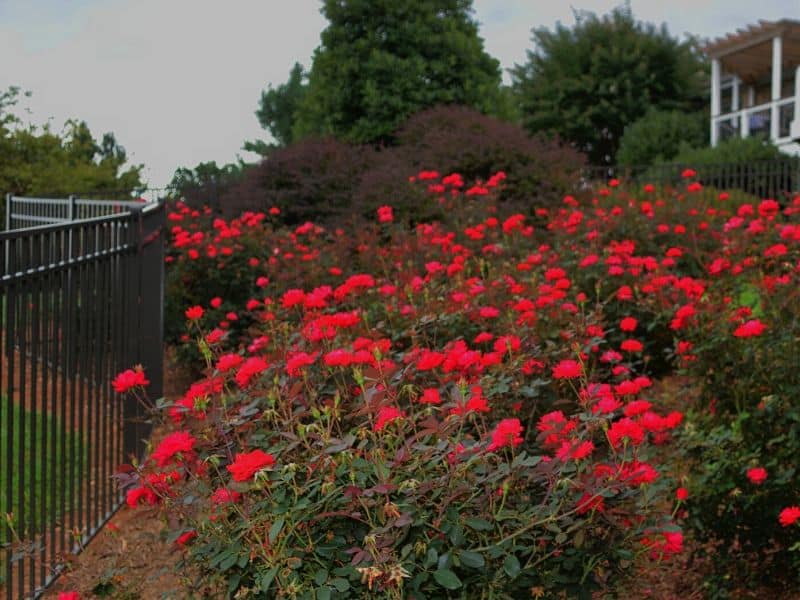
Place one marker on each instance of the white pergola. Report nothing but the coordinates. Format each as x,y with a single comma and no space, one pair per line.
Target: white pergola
749,55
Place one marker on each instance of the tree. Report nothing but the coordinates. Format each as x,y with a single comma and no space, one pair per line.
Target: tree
587,83
204,184
658,136
380,61
36,161
277,109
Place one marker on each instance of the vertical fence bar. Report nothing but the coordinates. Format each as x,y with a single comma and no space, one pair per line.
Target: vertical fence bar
37,417
82,317
8,463
20,348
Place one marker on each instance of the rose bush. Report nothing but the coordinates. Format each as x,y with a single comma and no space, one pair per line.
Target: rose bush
469,406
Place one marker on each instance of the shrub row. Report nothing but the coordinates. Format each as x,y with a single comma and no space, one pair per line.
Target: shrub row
329,180
469,404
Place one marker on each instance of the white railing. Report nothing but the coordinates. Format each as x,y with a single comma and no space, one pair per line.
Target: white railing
30,212
757,120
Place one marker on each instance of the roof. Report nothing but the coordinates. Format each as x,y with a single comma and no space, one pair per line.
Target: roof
748,52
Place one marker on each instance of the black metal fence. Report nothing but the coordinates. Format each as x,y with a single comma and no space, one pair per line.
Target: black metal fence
80,301
762,179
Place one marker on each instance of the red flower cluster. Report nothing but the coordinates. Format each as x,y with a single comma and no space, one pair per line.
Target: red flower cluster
176,446
757,475
194,313
567,369
247,464
129,379
752,328
789,516
386,415
251,367
385,214
664,544
507,434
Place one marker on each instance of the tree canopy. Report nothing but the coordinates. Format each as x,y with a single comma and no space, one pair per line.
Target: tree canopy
277,109
36,161
380,61
659,135
204,184
588,82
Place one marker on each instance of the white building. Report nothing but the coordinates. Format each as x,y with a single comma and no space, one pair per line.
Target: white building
755,84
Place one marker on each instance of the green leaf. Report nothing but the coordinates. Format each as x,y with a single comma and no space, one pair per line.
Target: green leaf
341,585
233,584
511,566
324,593
456,536
447,579
275,530
267,579
473,560
579,538
321,576
479,524
431,556
228,562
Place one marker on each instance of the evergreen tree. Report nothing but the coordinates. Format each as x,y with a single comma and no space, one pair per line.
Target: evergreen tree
383,60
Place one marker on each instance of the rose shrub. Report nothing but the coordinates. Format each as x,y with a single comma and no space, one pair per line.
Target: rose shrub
332,182
469,406
735,328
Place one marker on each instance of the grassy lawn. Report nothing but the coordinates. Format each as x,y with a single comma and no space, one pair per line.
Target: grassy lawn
31,467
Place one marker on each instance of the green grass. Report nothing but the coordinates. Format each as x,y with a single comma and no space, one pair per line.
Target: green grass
31,466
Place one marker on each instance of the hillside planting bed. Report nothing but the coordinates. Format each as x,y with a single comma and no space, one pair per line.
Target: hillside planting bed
480,407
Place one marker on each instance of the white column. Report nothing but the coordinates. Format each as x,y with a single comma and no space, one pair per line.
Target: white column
737,119
795,126
715,98
777,59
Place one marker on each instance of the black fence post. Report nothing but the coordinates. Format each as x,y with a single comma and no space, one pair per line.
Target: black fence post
151,298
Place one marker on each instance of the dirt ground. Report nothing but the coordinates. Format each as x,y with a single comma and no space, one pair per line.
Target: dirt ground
130,558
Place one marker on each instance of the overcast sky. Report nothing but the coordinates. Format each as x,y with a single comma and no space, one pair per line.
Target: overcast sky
178,81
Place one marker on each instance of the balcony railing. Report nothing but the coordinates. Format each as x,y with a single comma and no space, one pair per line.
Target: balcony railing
756,120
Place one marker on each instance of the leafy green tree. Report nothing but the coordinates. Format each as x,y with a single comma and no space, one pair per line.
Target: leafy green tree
587,83
35,161
277,110
658,136
382,60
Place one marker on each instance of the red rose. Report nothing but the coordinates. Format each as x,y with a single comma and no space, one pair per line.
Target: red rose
247,464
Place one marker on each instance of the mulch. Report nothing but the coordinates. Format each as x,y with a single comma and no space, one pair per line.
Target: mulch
130,559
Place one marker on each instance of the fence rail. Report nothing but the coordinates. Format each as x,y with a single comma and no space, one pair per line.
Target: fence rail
80,301
31,212
764,179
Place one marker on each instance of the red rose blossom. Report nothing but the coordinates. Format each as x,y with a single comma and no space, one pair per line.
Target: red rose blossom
757,475
789,515
247,464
